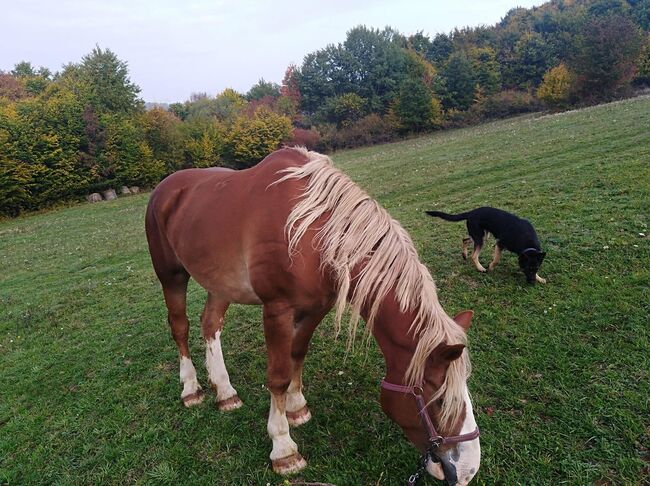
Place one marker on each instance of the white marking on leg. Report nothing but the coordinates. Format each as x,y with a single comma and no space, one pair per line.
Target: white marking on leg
278,429
540,279
295,399
188,377
216,367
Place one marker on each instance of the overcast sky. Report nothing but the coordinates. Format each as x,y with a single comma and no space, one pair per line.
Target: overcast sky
178,47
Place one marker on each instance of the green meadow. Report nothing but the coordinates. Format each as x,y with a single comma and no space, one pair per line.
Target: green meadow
89,388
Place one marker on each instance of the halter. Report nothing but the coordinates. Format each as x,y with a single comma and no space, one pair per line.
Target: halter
435,439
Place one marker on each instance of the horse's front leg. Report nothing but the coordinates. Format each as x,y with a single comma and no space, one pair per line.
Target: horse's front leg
279,333
297,411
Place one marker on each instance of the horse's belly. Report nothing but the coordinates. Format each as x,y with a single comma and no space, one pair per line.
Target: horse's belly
232,285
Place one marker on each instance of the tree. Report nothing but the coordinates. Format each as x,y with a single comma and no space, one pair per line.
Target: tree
344,109
414,107
641,13
486,69
457,82
229,104
11,88
162,135
643,64
420,43
102,80
203,141
23,69
532,58
557,86
252,139
440,49
607,7
606,54
262,89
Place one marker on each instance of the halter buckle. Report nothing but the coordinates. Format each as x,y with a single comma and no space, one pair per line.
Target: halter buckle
436,441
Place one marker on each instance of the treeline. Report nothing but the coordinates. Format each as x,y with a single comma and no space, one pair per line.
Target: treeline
379,84
85,129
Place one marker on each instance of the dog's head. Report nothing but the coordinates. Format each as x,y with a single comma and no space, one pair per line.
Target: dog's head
530,261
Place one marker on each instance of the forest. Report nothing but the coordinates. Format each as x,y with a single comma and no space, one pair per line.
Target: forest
85,128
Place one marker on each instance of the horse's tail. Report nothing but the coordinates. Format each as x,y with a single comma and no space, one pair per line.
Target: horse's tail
448,217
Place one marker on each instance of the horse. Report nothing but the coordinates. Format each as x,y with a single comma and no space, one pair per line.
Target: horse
297,236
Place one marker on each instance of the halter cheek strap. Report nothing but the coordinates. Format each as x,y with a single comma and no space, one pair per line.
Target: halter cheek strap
435,438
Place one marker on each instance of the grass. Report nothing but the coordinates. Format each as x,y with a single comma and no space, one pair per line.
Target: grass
89,390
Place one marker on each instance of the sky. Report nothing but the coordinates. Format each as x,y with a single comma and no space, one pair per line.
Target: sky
178,47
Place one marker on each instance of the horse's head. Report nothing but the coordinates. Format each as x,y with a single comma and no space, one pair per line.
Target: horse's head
457,457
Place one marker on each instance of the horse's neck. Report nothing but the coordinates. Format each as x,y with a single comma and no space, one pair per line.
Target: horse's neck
396,343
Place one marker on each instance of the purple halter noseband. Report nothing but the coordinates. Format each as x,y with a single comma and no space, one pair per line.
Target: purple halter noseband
435,439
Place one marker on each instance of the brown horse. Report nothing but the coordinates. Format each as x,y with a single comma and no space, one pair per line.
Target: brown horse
297,236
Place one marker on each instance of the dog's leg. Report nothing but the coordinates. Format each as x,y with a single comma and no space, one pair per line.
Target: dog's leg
477,264
496,257
540,279
466,242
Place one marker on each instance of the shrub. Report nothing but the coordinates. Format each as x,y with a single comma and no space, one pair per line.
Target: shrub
304,138
508,103
369,130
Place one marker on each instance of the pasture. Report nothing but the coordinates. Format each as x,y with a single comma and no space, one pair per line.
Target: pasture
89,373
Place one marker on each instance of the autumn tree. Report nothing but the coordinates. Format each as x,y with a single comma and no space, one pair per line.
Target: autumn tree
557,86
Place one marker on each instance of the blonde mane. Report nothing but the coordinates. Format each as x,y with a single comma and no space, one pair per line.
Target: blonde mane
359,233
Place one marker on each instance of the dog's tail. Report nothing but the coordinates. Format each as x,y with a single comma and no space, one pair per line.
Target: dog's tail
448,217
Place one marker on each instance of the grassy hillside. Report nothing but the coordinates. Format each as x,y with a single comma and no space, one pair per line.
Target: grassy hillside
89,375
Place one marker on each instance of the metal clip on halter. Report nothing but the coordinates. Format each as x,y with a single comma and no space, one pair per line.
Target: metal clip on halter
435,439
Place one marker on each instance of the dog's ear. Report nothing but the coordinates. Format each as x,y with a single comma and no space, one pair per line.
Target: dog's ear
464,319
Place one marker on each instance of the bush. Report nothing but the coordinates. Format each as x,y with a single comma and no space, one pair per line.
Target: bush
369,130
508,103
304,138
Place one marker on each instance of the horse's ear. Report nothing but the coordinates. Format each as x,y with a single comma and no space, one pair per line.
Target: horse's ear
453,352
464,319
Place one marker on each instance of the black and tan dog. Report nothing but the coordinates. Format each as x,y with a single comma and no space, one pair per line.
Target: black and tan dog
511,232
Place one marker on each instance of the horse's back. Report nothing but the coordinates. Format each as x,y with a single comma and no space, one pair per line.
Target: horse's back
219,223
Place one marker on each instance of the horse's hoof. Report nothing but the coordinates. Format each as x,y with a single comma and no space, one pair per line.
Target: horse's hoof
300,417
193,398
229,404
289,465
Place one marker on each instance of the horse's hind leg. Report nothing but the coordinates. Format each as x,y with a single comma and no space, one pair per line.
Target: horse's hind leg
278,332
174,289
212,321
